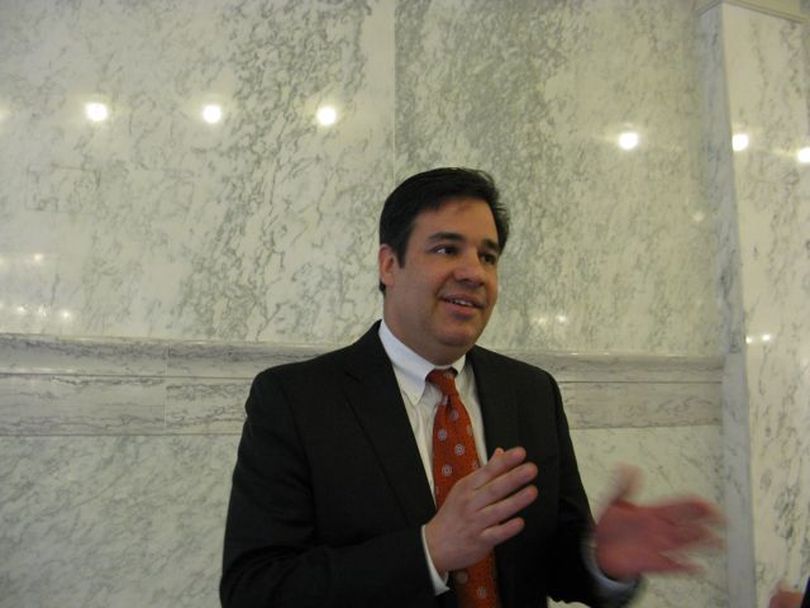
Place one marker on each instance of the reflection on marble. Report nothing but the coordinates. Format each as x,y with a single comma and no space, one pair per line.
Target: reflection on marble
610,248
113,521
768,93
669,469
262,226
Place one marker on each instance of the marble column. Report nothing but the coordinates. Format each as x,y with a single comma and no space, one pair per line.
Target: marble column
756,81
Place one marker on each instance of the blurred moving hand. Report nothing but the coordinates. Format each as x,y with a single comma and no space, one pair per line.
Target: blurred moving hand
785,598
633,539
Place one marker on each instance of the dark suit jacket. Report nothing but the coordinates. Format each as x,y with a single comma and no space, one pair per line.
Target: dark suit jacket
329,491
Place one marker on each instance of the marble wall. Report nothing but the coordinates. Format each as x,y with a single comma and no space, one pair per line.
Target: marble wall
153,223
151,262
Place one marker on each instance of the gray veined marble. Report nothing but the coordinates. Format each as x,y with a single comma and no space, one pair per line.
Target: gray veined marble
113,521
262,226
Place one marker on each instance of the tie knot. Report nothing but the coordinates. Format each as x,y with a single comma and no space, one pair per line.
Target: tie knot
444,379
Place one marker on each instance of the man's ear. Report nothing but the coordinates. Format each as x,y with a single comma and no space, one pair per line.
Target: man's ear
387,264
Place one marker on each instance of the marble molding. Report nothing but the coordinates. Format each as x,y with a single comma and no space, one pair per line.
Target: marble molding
63,386
263,227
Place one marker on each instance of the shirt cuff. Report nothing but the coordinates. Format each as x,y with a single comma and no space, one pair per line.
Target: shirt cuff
611,591
439,583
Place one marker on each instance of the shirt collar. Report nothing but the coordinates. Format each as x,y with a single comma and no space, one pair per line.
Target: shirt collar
411,369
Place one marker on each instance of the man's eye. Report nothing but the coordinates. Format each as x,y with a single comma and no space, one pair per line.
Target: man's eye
445,249
489,258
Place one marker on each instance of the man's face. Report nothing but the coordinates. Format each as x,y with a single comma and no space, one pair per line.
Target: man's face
439,301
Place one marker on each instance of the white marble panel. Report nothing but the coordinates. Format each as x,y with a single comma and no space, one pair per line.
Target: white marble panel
102,521
768,96
610,247
81,405
674,461
155,223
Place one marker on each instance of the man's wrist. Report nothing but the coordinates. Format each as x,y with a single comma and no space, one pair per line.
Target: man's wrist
612,593
439,581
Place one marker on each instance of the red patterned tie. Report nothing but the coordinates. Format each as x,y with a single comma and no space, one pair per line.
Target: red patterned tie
454,457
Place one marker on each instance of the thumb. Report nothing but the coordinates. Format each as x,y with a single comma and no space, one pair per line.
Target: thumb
627,480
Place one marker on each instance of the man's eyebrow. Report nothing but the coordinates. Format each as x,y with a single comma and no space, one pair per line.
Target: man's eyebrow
445,236
456,237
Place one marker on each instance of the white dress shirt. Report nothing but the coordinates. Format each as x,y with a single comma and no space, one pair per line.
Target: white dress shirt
421,398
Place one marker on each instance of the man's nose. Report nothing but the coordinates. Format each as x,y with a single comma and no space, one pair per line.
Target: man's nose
470,269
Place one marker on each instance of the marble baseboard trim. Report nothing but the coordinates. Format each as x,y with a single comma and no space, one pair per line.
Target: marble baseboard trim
81,386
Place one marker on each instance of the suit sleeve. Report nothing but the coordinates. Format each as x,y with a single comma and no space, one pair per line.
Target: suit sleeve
273,554
570,579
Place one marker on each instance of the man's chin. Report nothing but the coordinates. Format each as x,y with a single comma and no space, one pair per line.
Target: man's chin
462,339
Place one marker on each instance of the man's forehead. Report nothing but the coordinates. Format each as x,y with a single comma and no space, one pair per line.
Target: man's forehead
458,211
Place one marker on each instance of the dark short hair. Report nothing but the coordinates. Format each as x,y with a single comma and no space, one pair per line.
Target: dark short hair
428,190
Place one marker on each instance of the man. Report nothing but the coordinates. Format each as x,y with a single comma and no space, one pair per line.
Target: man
414,468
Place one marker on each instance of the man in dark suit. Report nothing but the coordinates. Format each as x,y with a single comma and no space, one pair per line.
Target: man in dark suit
338,477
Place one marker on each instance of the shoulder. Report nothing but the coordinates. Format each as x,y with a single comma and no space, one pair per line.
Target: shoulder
506,366
309,371
326,370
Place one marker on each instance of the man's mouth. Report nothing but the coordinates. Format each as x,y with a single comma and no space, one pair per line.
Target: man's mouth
464,302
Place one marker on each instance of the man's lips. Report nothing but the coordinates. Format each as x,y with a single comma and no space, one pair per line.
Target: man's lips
465,301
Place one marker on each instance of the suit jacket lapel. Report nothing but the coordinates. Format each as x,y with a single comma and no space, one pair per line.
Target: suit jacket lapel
499,411
374,395
498,402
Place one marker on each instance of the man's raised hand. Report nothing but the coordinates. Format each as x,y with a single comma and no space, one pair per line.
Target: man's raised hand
479,512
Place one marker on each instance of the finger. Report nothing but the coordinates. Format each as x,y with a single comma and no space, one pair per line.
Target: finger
508,507
671,563
683,537
495,535
627,480
687,510
504,485
500,463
